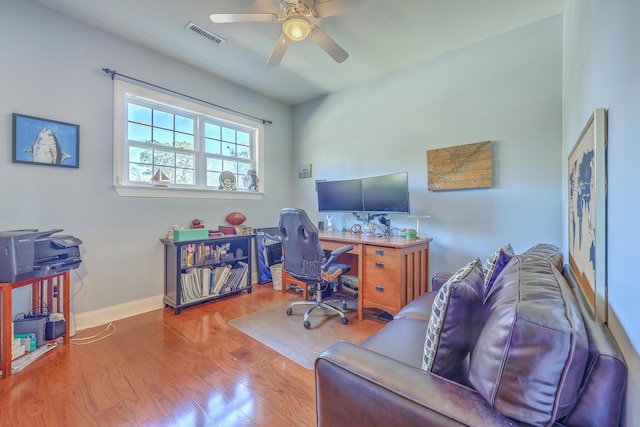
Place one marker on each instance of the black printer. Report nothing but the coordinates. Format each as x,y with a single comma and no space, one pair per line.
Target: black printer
27,254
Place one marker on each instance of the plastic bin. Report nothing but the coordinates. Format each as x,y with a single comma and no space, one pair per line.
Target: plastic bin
276,276
190,234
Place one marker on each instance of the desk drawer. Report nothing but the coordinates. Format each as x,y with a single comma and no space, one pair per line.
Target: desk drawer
381,289
381,277
381,258
380,274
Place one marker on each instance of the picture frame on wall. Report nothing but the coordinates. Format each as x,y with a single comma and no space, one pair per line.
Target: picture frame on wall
304,170
587,200
45,142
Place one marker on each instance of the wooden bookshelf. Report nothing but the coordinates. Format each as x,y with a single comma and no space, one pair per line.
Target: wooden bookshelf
199,271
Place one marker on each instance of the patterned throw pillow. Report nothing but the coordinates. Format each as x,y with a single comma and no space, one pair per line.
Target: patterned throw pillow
452,330
494,265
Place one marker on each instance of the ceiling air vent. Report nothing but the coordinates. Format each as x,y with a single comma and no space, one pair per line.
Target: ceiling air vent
204,33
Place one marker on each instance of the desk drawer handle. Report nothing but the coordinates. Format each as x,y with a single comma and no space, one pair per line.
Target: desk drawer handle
379,251
379,265
380,288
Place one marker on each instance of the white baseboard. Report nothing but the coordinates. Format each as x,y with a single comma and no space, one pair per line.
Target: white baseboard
105,315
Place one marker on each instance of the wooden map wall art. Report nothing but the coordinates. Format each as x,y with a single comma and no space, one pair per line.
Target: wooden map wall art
462,166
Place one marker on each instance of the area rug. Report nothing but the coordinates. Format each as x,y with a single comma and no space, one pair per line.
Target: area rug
287,335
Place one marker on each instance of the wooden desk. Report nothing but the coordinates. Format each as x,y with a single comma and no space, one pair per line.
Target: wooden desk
42,291
391,271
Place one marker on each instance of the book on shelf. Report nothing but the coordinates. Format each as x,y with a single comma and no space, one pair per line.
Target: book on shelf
237,275
205,280
221,274
200,282
189,286
195,283
187,255
207,253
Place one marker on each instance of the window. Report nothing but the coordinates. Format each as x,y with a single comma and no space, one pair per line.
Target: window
191,149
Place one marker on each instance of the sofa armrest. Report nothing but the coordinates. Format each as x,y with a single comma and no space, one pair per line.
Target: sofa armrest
438,280
356,386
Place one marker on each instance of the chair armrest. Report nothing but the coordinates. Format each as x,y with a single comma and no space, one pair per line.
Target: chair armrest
438,280
341,250
334,254
356,386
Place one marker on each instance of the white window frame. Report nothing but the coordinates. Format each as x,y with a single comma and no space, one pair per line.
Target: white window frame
122,90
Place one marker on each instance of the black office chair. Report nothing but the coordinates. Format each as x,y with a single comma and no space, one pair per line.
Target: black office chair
304,259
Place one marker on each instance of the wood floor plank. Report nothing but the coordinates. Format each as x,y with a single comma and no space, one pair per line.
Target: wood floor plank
159,369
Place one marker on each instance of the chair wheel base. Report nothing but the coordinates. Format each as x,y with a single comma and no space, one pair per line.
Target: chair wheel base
319,303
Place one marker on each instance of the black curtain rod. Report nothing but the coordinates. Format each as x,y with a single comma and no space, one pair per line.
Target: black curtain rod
114,73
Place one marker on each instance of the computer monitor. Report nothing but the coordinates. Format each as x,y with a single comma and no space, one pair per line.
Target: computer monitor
387,193
340,196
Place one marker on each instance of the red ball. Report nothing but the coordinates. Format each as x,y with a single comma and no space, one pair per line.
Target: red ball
235,218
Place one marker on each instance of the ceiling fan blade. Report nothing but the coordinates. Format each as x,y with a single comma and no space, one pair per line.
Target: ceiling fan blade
336,7
329,45
278,51
226,18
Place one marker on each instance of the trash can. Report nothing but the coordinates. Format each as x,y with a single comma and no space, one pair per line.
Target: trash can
276,276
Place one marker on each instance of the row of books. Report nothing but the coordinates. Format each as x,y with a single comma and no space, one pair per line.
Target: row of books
202,282
197,254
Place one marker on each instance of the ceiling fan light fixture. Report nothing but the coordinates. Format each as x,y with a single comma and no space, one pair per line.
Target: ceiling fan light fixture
296,28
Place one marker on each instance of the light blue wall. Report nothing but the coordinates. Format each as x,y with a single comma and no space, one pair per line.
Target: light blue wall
51,68
507,89
602,70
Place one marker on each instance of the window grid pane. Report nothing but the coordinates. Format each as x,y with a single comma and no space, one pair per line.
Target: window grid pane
223,147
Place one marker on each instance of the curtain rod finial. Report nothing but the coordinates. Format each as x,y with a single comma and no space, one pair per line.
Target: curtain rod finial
112,72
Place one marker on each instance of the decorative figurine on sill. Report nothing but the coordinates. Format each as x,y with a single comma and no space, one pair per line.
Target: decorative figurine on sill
250,180
227,181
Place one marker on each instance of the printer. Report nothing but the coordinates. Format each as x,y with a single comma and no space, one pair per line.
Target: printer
27,254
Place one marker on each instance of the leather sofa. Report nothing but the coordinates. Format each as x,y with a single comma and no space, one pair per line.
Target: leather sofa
522,350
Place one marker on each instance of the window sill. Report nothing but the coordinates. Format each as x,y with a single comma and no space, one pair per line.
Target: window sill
184,193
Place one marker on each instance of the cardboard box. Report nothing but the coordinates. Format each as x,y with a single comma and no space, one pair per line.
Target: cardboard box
190,234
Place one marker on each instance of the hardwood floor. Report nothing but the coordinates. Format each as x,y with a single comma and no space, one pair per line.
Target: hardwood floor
159,369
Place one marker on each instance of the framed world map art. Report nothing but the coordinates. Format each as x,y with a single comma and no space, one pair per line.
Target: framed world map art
587,212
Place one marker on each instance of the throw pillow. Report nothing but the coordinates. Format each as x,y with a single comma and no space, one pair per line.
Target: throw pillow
494,265
452,330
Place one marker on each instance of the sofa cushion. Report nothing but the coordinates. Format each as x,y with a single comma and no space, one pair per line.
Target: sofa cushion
419,308
453,325
548,252
494,265
397,340
530,356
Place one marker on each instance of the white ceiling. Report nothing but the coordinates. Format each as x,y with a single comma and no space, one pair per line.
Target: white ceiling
391,35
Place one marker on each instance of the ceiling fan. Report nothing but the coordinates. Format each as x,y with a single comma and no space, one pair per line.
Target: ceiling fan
295,16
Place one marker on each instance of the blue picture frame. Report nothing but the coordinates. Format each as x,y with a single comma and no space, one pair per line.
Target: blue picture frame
45,142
